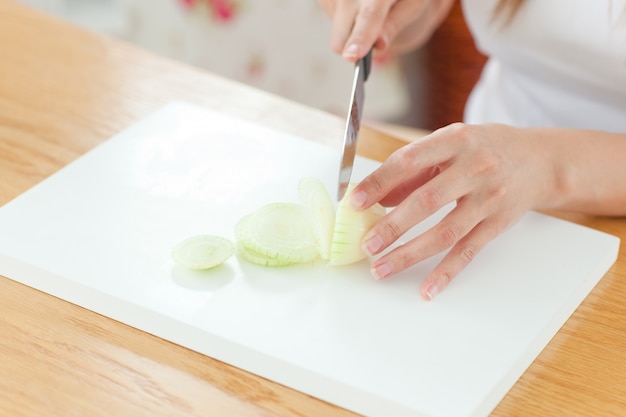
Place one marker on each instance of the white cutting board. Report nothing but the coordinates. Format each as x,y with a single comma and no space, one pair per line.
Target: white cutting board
99,234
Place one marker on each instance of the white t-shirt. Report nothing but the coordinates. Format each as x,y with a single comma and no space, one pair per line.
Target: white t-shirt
558,63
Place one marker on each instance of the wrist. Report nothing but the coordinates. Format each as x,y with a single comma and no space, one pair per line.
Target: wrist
556,175
585,171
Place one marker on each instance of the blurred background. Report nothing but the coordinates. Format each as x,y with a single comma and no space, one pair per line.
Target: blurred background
283,47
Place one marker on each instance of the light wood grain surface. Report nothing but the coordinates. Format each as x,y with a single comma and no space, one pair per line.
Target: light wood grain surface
63,91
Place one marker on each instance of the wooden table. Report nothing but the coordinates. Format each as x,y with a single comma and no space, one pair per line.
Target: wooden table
64,90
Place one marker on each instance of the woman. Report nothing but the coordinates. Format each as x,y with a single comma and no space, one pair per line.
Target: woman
545,127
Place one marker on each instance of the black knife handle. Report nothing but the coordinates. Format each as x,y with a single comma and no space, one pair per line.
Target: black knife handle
367,65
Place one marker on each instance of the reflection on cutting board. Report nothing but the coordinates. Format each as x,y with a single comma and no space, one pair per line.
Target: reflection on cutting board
99,234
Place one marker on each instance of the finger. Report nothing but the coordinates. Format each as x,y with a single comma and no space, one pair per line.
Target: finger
422,203
400,16
367,28
343,21
402,191
450,230
328,6
459,257
428,152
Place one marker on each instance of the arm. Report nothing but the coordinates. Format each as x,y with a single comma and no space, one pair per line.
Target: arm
592,172
399,25
494,173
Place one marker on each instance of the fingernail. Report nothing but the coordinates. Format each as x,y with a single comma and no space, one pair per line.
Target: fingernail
357,200
351,51
381,271
431,291
372,245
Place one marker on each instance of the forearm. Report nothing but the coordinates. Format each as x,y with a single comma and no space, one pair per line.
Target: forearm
589,170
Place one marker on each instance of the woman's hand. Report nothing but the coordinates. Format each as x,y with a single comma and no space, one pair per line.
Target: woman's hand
494,173
360,25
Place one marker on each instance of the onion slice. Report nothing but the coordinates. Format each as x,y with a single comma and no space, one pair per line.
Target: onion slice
203,251
278,231
321,211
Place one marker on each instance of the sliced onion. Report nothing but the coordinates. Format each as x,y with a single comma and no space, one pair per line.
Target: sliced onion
280,234
321,211
260,259
203,251
350,227
280,231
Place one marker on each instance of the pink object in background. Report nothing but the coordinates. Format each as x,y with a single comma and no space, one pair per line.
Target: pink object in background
189,3
221,10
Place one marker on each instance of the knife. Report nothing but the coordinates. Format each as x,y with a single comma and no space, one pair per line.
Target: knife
355,111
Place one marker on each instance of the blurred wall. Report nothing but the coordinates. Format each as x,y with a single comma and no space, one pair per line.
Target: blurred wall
280,46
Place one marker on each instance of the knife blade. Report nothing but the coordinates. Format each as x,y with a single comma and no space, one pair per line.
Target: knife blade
355,112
